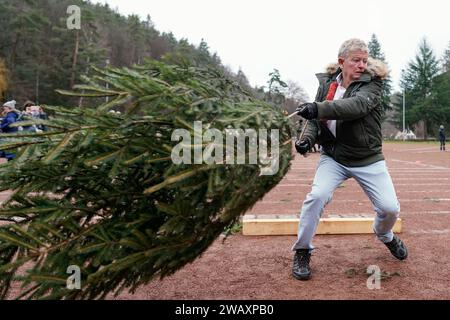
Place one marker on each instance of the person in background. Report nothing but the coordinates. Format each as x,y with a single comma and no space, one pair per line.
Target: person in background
32,111
27,104
10,115
27,114
442,137
43,116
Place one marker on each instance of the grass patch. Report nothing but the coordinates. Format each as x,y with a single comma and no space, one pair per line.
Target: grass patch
233,229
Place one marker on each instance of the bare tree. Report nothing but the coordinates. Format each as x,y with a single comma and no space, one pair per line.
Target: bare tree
295,92
295,95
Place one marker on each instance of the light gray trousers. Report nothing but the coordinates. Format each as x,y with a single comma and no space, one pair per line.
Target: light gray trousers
376,183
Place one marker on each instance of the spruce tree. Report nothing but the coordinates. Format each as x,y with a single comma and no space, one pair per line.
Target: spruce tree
446,59
42,54
376,53
276,88
100,190
417,82
440,98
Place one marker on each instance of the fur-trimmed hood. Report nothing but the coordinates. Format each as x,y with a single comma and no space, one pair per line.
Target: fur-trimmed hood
375,67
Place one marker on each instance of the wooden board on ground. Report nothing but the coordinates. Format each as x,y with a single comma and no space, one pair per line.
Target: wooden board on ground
265,225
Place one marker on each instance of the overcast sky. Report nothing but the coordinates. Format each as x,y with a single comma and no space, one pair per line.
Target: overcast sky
299,38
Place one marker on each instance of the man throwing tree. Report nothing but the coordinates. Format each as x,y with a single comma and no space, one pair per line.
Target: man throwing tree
345,120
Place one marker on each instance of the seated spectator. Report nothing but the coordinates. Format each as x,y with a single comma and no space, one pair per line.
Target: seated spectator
42,115
27,104
34,112
10,115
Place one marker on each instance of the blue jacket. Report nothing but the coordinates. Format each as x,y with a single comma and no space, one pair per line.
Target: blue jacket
11,117
441,134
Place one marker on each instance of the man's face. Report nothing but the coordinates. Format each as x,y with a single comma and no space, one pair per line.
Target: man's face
354,65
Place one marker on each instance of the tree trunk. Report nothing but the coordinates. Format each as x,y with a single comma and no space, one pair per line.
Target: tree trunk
37,87
14,52
80,101
75,57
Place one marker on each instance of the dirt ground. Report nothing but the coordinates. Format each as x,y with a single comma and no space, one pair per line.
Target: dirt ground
259,267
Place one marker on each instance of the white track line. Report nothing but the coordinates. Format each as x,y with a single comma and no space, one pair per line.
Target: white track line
423,184
365,200
328,213
416,170
423,191
394,178
427,148
419,152
444,231
391,169
421,179
419,176
397,184
399,191
421,164
425,212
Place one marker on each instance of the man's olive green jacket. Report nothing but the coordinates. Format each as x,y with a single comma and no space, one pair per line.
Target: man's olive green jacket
358,127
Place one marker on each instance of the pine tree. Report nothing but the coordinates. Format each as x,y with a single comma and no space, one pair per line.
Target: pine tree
376,53
375,48
41,53
100,190
441,98
446,60
204,57
276,88
22,23
417,82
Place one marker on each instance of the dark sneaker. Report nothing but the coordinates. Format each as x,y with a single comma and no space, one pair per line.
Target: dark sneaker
397,248
301,269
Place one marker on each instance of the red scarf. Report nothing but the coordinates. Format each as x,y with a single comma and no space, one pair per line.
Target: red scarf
330,96
332,90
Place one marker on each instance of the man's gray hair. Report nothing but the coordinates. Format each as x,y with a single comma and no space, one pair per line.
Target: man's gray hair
350,46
